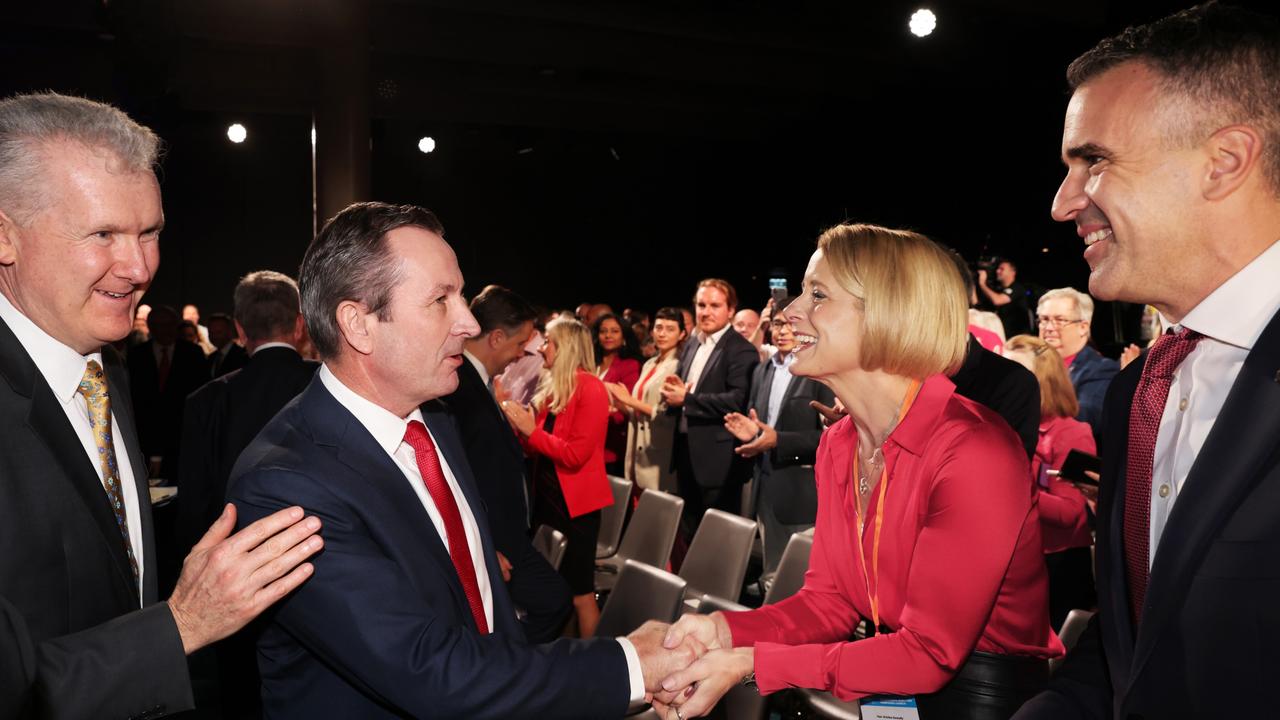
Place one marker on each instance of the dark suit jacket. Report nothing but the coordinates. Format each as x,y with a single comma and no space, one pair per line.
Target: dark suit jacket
1206,646
497,461
784,475
383,629
1091,376
1004,386
74,642
236,358
722,388
219,421
160,411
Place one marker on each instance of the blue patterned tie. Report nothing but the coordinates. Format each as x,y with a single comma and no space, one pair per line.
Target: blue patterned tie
93,386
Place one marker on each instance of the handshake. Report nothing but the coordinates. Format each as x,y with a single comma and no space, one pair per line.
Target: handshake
690,665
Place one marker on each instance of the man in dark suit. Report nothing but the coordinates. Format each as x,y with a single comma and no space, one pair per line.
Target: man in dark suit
219,421
714,378
781,433
163,371
498,462
228,355
1172,147
81,633
406,615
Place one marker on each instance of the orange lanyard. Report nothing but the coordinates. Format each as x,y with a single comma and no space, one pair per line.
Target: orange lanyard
874,597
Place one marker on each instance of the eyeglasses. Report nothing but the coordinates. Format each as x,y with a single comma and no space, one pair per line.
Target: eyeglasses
1056,322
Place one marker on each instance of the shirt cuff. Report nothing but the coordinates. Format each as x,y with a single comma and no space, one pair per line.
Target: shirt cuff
634,671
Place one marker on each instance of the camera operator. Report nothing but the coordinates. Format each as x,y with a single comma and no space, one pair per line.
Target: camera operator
1012,299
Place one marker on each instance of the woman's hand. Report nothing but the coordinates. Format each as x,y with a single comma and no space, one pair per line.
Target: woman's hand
619,392
741,427
520,417
696,689
1129,354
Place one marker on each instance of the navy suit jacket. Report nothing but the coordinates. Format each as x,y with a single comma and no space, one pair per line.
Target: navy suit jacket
383,629
1091,376
1206,646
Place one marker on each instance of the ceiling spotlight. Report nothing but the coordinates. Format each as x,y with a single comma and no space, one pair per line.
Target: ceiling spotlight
237,134
427,144
923,22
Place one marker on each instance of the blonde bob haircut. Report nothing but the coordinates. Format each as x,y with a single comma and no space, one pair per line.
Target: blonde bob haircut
1057,396
574,352
915,313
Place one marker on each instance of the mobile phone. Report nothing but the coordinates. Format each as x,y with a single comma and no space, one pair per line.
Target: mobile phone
1074,467
778,291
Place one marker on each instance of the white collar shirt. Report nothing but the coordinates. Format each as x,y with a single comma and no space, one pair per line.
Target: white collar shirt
63,369
1231,319
778,388
388,432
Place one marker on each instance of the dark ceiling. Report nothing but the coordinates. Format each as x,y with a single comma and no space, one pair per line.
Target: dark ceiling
596,150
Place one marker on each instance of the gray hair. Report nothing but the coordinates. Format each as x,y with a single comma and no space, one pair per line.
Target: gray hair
28,122
351,260
1082,301
266,305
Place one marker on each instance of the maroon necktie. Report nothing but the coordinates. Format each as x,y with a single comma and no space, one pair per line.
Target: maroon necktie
1144,422
459,551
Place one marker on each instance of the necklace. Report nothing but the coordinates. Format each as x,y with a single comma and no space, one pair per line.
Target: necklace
870,465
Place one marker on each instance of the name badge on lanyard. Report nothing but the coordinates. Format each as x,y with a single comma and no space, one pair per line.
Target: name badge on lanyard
881,707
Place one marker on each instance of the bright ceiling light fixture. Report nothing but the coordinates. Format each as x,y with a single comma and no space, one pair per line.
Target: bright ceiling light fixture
923,21
427,144
237,134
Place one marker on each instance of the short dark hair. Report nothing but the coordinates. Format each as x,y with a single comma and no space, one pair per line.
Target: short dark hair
266,305
1225,58
351,260
497,307
670,313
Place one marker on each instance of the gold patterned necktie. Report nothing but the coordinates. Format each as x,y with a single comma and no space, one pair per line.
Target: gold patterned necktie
93,386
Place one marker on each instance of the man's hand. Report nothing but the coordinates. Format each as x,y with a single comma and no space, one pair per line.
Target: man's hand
227,580
764,438
830,414
674,391
740,426
500,394
658,661
982,276
505,564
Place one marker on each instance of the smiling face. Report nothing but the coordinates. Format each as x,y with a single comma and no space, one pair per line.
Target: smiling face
783,338
610,335
1132,197
548,351
713,309
1060,325
78,267
827,322
417,351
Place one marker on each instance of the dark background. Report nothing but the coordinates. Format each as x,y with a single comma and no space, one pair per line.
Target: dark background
603,150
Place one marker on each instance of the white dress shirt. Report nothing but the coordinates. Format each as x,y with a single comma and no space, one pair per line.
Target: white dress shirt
63,369
1231,319
706,346
388,431
778,388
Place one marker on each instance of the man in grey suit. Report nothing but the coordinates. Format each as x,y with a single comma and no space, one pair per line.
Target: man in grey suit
81,633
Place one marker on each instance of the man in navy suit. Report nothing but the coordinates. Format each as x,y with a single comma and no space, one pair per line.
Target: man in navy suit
498,462
406,614
1172,148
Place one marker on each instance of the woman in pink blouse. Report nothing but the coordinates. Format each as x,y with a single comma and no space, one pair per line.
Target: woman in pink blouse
927,527
617,361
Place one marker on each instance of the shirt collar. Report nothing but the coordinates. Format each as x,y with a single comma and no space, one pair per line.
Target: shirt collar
263,346
714,337
61,366
783,362
1238,310
387,429
479,366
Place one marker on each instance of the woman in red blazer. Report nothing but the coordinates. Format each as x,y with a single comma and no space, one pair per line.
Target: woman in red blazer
565,440
618,359
927,527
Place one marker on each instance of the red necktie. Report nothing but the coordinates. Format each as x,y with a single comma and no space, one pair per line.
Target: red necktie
1144,422
459,551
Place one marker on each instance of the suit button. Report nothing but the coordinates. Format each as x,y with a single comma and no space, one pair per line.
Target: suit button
1164,490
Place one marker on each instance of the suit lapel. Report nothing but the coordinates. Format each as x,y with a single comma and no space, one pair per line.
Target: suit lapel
48,423
1113,588
765,387
1242,439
